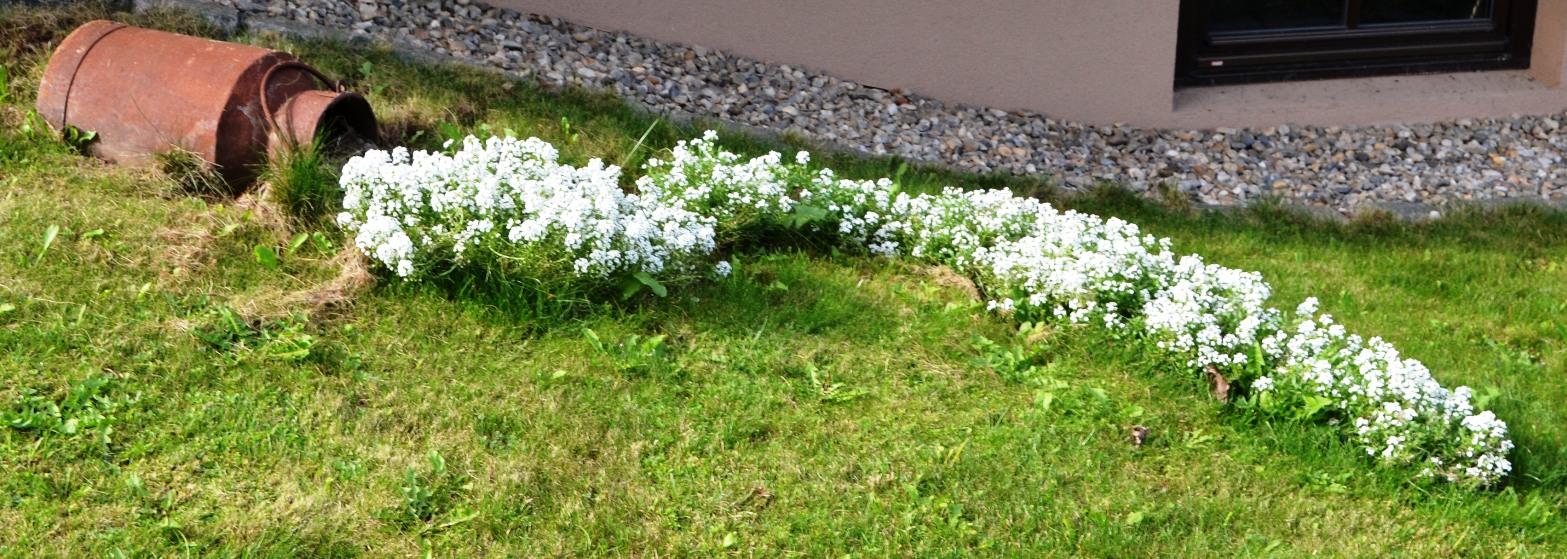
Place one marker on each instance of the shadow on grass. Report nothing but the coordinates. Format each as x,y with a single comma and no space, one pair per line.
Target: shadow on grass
1502,228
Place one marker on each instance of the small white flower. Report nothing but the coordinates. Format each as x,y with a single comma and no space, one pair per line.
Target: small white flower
1308,307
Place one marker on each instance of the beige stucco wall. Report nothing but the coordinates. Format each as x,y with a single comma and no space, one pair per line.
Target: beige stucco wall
1548,55
1093,60
1096,61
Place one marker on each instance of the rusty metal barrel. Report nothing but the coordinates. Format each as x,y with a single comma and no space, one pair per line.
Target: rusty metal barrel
144,92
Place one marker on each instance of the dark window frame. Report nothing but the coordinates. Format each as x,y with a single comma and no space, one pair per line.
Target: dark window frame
1203,58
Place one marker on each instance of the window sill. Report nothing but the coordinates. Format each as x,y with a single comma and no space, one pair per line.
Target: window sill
1366,101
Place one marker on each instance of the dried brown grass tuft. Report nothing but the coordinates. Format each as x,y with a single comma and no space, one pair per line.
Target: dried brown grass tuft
336,296
264,213
948,278
320,302
186,251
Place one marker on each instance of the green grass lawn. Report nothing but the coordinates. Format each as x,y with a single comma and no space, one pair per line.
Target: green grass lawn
167,392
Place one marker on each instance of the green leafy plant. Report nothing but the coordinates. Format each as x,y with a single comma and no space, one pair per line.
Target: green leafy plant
78,139
304,243
87,410
431,497
322,243
5,84
826,390
571,135
498,431
805,215
266,256
295,243
242,339
301,181
451,135
368,73
157,507
1019,361
639,281
635,353
50,234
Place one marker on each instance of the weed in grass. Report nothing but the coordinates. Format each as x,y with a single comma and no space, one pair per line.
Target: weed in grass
27,141
301,181
636,354
271,257
432,497
85,413
1171,196
498,431
79,140
50,234
155,507
1024,360
33,126
571,135
1014,362
242,339
266,256
1514,360
368,74
825,390
5,84
640,281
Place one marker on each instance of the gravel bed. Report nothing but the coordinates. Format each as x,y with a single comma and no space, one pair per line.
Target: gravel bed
1407,169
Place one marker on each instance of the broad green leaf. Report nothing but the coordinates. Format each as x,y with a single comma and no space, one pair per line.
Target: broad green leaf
323,244
297,241
648,280
266,255
50,234
629,287
805,214
1313,404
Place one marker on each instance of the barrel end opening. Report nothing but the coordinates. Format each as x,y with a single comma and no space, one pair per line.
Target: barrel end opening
347,124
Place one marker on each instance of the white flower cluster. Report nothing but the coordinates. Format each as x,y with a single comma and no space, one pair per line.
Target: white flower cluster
507,203
1401,414
718,184
1033,261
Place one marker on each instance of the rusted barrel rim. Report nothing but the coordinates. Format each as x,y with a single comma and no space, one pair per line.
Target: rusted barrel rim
306,116
266,80
60,75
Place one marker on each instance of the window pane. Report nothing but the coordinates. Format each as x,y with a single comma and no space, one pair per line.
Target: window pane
1258,15
1408,11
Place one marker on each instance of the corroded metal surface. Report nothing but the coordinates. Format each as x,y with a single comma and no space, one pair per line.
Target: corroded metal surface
303,116
144,92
